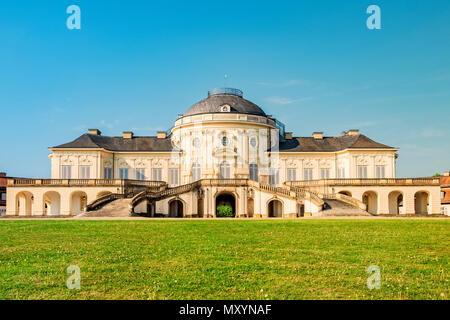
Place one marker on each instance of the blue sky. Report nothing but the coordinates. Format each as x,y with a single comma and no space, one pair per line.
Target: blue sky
314,65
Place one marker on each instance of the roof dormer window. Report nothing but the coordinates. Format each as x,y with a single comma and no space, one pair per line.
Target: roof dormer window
225,108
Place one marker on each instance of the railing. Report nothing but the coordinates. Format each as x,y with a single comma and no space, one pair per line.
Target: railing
304,193
232,91
85,182
379,181
149,194
103,199
278,190
344,198
224,182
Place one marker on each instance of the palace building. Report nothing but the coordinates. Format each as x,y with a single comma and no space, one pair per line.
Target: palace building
223,151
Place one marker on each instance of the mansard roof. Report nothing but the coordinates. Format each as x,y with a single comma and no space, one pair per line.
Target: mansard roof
154,144
330,144
142,144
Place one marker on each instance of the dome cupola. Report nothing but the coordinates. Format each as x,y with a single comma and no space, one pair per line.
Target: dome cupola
225,100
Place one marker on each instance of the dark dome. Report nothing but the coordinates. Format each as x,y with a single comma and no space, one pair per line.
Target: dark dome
225,96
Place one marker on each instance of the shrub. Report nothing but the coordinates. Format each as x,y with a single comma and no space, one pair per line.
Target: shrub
224,212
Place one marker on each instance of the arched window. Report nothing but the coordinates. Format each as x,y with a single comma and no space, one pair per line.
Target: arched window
196,172
253,171
224,170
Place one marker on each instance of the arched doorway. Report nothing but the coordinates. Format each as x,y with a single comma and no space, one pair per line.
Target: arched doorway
421,201
395,202
24,202
52,203
176,209
370,199
346,193
250,207
225,200
78,202
275,208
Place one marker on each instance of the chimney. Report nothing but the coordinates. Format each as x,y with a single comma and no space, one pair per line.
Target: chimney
128,135
318,135
95,132
288,135
353,132
161,134
446,174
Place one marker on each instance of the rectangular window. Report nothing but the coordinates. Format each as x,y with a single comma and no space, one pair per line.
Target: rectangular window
324,173
107,173
196,172
173,177
253,172
4,196
157,174
380,172
362,172
85,172
341,173
274,177
291,174
140,174
123,173
66,172
307,174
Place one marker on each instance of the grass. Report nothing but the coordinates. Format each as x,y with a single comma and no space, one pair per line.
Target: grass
219,259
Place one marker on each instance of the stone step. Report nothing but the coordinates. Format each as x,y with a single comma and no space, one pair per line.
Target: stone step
116,208
339,208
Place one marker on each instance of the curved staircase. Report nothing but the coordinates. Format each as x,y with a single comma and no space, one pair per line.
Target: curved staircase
120,205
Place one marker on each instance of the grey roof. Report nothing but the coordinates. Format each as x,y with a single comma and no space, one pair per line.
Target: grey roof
119,143
148,144
213,103
330,144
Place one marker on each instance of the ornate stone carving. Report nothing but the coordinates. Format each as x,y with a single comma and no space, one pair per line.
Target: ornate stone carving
325,163
140,163
363,160
308,163
157,163
380,160
66,160
292,163
123,164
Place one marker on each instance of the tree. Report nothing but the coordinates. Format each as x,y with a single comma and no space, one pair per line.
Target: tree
436,175
224,212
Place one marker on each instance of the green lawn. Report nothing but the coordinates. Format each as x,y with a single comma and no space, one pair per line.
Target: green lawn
217,259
